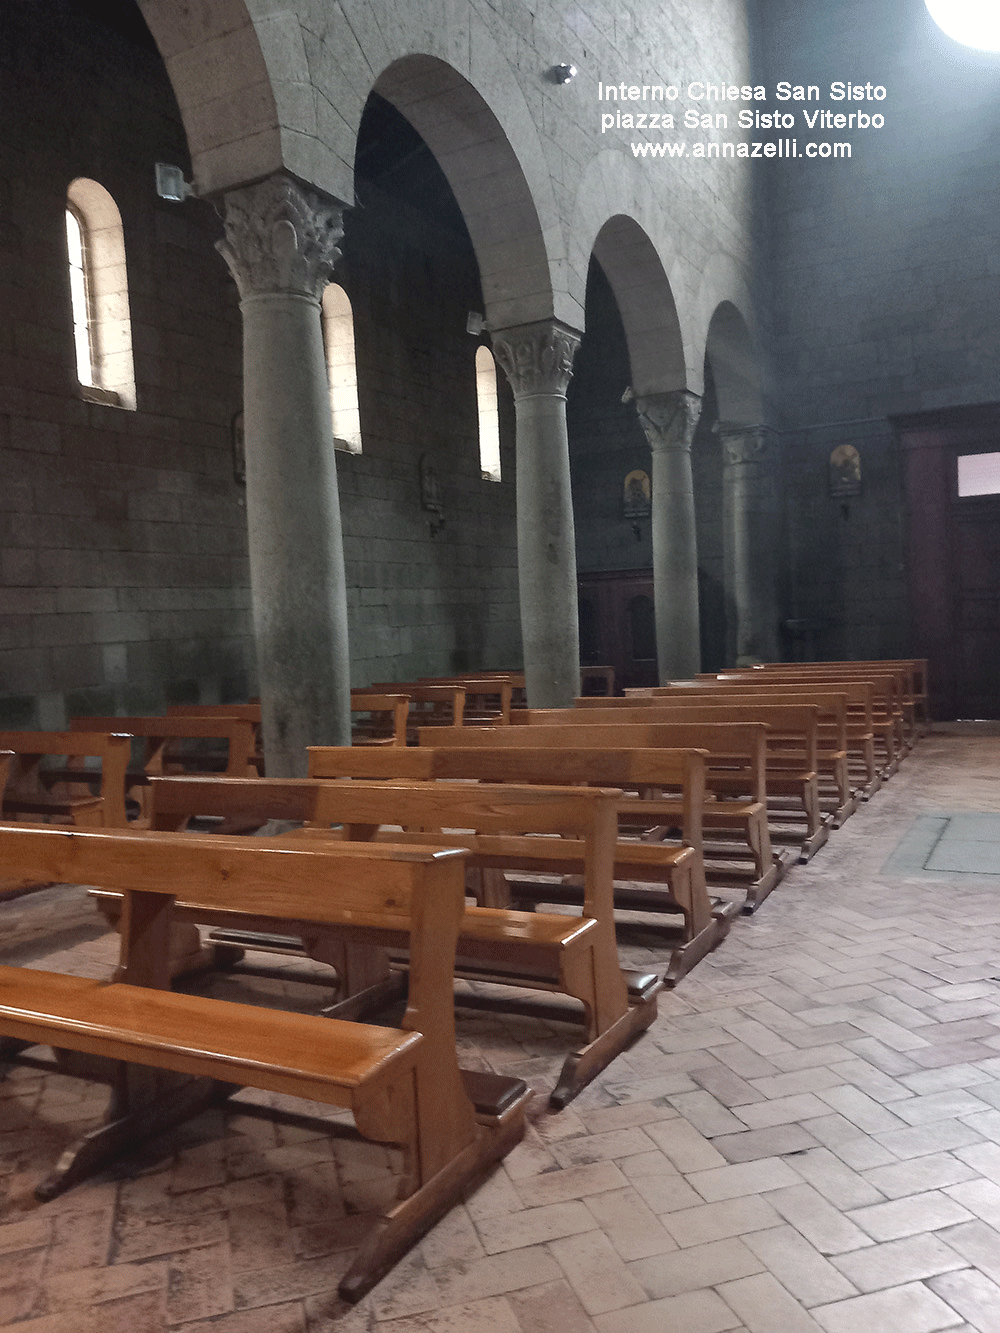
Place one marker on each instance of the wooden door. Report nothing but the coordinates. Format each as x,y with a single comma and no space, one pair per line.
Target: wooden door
954,560
617,625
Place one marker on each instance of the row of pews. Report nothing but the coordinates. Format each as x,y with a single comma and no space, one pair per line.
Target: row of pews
490,846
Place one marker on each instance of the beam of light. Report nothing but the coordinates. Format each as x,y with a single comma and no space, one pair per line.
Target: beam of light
972,22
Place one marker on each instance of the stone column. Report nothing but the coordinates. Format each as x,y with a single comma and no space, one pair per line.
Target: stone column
752,537
281,244
538,361
669,421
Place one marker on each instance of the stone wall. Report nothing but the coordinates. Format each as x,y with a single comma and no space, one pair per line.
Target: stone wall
886,272
124,579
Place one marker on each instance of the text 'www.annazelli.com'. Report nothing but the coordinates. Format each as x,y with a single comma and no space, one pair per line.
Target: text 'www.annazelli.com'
771,148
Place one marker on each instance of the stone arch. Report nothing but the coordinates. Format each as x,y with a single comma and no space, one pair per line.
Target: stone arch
223,86
488,180
646,304
642,266
730,352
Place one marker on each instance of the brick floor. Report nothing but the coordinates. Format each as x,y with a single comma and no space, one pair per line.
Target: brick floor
807,1139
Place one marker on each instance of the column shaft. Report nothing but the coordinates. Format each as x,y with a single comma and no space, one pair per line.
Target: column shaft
281,246
669,421
752,533
537,360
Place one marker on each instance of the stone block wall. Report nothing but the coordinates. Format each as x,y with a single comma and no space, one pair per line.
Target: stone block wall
123,574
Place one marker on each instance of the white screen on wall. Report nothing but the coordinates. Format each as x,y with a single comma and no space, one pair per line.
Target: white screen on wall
979,474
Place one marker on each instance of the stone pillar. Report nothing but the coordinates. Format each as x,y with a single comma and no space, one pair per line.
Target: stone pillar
752,538
669,421
281,244
538,361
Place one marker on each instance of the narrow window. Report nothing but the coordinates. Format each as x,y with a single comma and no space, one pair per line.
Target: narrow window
979,474
98,280
338,338
489,418
78,297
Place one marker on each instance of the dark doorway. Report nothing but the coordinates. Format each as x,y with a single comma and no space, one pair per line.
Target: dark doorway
617,626
954,558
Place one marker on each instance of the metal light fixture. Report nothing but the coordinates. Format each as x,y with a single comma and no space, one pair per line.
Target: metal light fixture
562,73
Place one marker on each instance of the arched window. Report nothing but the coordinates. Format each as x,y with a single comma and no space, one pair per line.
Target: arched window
338,338
489,417
102,325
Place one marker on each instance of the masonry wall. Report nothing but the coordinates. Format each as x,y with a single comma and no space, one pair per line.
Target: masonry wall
886,272
123,561
429,592
123,573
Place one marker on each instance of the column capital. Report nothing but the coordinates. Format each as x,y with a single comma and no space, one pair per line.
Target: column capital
667,419
746,444
281,236
537,358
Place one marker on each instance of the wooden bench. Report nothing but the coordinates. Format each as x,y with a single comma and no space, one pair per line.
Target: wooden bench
489,698
48,793
159,734
678,871
597,682
863,771
384,720
792,757
402,1083
838,797
570,955
251,712
916,682
892,713
728,748
430,705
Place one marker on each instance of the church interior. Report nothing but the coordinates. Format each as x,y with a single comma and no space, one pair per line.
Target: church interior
354,347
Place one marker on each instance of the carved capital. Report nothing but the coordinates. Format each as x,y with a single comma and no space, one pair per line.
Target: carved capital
669,419
280,237
536,358
746,444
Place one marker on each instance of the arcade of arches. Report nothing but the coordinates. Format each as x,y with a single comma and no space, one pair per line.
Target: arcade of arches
732,392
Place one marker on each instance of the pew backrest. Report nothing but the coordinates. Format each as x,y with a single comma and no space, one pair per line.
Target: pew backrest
31,749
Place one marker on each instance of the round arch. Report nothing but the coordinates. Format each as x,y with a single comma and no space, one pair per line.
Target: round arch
642,267
731,355
223,87
487,179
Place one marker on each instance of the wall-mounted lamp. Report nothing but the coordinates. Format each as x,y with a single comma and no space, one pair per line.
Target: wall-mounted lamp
170,183
475,323
562,73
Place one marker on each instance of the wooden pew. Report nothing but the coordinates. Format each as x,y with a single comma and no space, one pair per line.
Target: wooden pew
679,870
430,705
160,733
385,718
570,955
250,711
888,712
489,696
597,682
916,677
792,755
47,793
838,797
750,863
402,1084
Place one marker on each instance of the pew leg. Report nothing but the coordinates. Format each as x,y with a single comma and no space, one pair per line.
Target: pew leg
399,1228
583,1065
123,1132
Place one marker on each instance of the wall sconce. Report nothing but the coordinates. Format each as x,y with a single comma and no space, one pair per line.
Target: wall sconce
561,73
